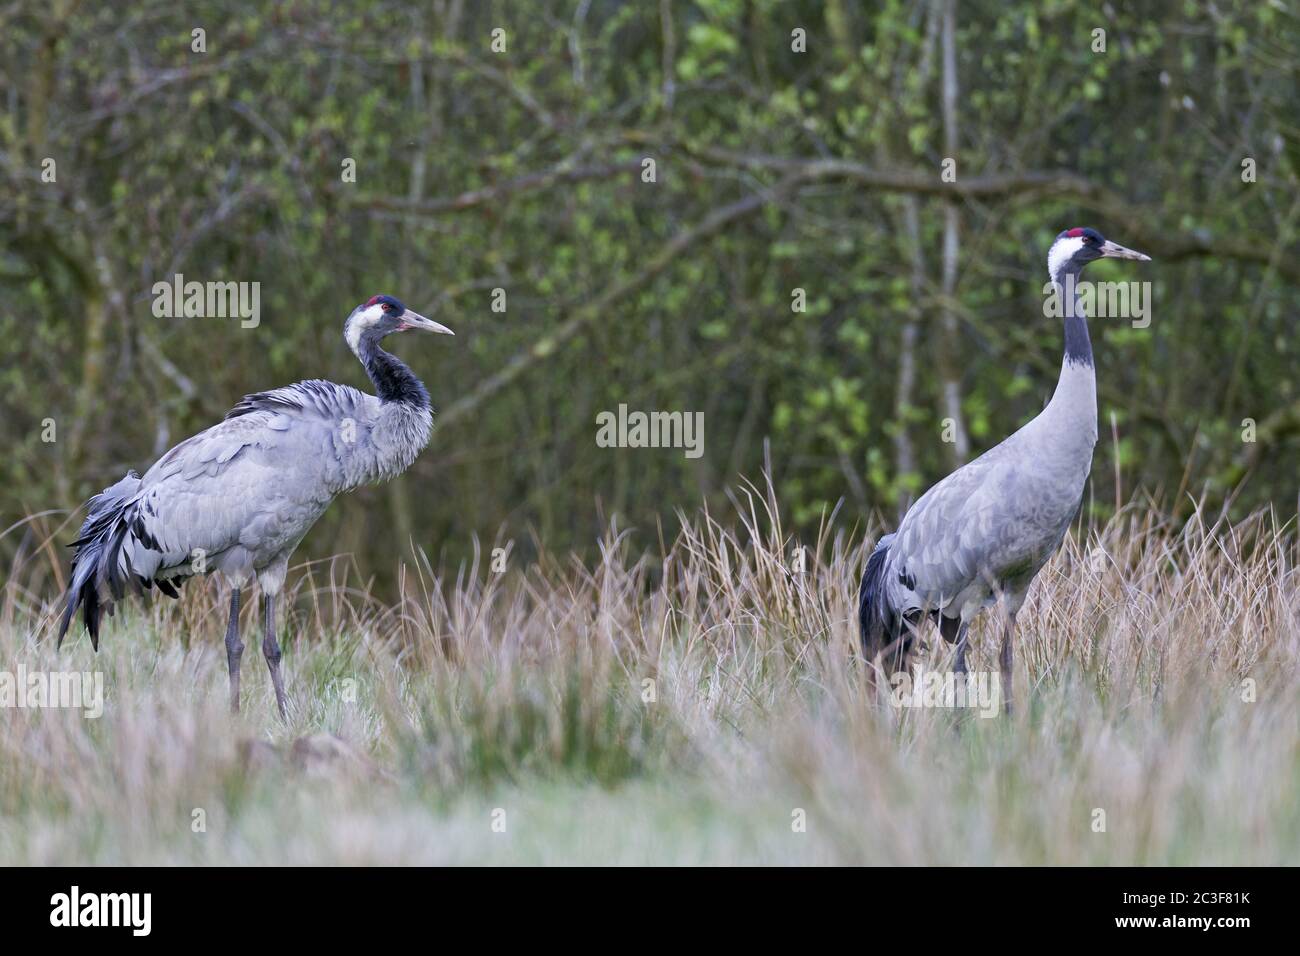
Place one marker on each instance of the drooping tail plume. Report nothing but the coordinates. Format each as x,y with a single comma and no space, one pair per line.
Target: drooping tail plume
880,623
95,565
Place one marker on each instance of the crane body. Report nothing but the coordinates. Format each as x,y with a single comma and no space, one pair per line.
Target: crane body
979,536
239,497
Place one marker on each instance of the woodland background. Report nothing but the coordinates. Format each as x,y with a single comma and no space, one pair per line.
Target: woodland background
775,170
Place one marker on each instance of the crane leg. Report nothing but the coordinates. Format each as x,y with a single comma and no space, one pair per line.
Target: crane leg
960,664
271,650
234,649
1008,629
953,630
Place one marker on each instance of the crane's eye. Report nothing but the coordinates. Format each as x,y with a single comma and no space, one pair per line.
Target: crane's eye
387,307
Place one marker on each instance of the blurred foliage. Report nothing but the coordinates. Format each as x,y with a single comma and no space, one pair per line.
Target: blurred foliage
521,170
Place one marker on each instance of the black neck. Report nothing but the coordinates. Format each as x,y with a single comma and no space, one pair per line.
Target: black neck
393,381
1078,347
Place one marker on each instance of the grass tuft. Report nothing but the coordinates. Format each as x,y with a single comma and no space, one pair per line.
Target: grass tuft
688,705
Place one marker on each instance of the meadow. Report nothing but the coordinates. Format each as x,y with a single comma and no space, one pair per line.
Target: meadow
688,700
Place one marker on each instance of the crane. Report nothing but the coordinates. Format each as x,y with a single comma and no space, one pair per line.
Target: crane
979,536
237,498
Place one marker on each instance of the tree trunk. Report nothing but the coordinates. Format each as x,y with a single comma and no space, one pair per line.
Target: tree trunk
947,345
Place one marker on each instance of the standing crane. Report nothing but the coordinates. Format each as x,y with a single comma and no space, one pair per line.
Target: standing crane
979,536
238,497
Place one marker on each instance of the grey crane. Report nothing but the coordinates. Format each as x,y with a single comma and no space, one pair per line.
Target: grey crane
239,497
979,536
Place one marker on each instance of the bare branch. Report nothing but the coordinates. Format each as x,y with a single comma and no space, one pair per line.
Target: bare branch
531,182
589,312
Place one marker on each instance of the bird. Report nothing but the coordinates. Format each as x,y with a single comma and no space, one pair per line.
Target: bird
978,537
237,498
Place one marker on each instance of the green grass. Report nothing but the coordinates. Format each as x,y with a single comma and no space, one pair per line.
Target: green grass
413,724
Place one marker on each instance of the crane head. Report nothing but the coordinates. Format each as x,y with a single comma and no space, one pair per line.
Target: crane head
1075,248
382,315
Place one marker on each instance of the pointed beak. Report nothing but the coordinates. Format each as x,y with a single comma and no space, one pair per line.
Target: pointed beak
1113,250
414,320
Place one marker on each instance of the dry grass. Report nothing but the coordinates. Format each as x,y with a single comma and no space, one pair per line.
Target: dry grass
523,692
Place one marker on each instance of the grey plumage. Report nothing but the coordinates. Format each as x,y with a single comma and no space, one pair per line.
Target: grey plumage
238,497
980,535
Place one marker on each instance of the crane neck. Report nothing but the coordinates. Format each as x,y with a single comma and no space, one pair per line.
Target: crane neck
1075,398
1078,346
394,382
